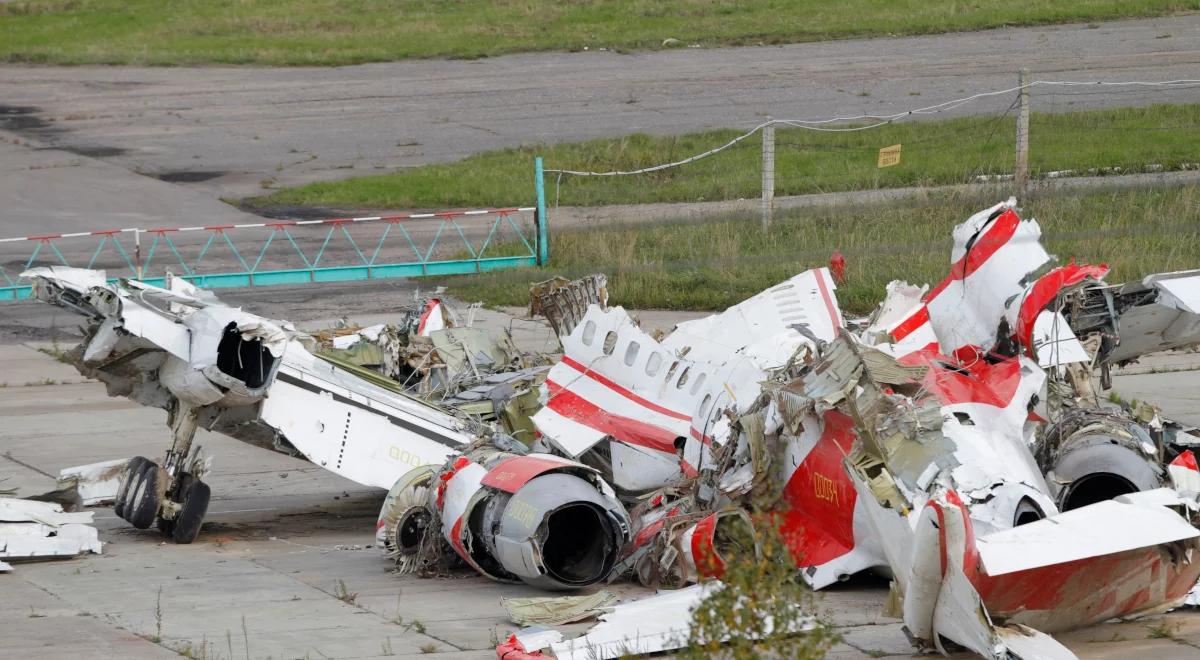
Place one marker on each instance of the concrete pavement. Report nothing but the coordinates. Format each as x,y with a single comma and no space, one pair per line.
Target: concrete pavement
233,130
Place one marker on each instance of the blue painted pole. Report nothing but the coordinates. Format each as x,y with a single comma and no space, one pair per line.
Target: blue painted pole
543,223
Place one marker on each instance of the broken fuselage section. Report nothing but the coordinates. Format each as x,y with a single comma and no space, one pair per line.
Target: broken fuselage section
219,368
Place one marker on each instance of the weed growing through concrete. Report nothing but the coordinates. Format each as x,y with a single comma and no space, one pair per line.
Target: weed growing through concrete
158,617
1164,630
343,594
429,648
246,636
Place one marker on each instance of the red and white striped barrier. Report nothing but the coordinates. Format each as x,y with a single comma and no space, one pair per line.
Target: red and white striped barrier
274,224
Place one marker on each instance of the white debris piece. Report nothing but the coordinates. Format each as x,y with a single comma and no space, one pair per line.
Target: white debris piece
661,622
96,483
536,638
40,530
649,625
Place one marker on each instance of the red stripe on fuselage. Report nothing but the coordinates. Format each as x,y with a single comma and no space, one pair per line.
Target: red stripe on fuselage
997,236
627,430
623,391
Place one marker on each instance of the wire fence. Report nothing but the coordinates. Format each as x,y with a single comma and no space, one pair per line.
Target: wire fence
1154,126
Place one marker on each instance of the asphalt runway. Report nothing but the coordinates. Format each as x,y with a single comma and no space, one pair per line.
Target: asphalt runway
230,131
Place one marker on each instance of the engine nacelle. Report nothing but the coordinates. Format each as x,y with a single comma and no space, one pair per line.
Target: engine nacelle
540,519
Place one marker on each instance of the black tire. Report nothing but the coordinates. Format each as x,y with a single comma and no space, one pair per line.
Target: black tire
191,515
132,468
182,484
142,505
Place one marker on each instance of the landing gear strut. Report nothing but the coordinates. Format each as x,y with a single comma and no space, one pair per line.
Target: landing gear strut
172,494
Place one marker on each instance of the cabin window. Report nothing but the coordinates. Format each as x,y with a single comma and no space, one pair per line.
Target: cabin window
610,342
683,378
631,353
697,384
653,364
589,333
671,370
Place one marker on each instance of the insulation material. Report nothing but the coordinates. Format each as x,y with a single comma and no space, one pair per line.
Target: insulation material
555,611
564,302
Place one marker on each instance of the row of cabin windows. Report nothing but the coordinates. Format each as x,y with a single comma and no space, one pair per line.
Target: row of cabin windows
653,363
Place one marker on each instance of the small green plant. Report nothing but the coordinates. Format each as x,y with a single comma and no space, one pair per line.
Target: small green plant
158,617
761,608
1164,630
35,615
343,594
197,652
246,637
385,647
429,648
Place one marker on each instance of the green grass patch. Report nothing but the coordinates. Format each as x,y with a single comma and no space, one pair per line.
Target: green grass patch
332,32
934,152
711,265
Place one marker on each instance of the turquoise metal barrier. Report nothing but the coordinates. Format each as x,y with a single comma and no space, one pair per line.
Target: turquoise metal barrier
336,250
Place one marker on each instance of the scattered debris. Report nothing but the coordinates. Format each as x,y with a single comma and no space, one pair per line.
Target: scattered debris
97,483
556,611
32,530
212,366
956,440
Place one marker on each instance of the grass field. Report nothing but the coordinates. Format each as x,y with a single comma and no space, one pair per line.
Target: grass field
331,32
715,264
934,152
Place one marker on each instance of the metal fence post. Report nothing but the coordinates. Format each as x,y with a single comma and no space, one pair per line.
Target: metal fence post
543,229
768,173
1021,168
137,251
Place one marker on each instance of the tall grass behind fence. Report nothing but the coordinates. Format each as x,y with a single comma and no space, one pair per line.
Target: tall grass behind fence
711,265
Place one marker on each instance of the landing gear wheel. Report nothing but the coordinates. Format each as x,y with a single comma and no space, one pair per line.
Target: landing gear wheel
128,483
142,505
182,484
191,514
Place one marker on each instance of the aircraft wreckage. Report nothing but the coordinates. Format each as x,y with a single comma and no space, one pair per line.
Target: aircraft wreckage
956,440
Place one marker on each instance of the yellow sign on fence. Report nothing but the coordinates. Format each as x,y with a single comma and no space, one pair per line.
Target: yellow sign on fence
889,156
